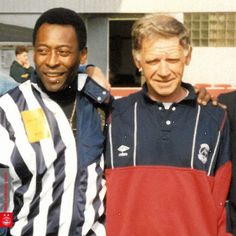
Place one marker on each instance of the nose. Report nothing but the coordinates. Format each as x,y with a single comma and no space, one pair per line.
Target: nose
52,59
163,69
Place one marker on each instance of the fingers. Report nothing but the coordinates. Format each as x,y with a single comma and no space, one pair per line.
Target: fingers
203,97
222,105
196,89
214,100
97,75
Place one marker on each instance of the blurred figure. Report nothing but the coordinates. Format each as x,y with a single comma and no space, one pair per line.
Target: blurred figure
20,69
6,83
229,99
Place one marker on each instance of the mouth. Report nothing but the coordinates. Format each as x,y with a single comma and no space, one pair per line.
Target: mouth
53,76
165,81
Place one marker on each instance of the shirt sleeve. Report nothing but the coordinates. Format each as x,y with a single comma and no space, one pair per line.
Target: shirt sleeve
95,91
222,177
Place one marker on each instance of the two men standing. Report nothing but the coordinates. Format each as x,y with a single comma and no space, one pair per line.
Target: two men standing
167,158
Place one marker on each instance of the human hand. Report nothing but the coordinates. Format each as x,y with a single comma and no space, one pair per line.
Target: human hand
97,75
26,64
203,97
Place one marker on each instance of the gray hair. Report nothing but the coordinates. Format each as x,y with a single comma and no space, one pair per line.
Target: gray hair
162,25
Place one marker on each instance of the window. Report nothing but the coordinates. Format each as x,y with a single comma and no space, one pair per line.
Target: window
7,57
212,29
123,72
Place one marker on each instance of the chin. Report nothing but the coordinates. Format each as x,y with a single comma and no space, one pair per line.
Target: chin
165,92
53,88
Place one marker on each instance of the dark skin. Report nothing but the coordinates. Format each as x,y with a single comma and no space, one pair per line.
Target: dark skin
57,56
204,97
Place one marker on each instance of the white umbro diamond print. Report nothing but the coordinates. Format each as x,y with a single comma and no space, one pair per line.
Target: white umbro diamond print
122,149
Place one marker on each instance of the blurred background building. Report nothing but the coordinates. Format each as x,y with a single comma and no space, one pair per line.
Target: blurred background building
212,25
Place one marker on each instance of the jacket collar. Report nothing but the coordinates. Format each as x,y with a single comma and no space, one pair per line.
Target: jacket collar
191,98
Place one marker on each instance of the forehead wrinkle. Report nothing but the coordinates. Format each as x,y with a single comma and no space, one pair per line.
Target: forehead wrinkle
165,52
166,46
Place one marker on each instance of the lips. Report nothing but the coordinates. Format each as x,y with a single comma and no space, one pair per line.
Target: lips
168,81
53,76
164,80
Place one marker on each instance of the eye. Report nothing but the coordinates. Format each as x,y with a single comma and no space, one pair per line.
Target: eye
152,62
42,51
64,52
173,60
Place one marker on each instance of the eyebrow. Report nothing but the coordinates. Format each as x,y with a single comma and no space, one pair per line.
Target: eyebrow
58,46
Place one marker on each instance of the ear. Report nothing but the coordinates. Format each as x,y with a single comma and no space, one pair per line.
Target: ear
188,56
136,57
83,56
18,56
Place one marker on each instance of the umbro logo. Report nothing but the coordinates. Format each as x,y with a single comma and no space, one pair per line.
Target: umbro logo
203,152
123,151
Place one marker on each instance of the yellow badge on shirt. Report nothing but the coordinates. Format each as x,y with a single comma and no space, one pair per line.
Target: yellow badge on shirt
25,76
36,125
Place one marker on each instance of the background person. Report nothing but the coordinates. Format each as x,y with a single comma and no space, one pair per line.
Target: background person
229,100
20,69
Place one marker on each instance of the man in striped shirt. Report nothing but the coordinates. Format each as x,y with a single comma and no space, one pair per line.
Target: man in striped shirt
51,138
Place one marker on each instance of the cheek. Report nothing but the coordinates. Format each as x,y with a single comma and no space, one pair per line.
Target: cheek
38,60
70,62
177,69
149,71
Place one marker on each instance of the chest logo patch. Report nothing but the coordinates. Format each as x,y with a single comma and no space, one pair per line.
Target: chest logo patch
123,151
203,153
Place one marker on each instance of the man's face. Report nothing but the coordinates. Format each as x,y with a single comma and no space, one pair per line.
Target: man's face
162,61
22,58
56,55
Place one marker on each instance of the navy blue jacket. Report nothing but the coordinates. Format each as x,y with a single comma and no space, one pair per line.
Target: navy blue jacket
168,169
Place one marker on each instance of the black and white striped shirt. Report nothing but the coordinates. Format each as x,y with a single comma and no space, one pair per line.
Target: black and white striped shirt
50,196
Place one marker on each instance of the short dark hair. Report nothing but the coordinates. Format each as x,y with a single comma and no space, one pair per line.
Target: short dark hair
20,49
63,16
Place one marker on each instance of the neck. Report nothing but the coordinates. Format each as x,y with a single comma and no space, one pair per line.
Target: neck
67,95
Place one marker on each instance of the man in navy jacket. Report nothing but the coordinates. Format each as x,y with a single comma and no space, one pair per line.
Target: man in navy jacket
168,166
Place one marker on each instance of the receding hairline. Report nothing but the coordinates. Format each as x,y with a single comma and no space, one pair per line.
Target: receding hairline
164,26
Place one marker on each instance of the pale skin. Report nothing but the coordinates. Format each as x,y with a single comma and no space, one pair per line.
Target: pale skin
22,59
96,74
162,62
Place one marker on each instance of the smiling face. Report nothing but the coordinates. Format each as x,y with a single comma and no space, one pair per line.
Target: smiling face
162,61
56,55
